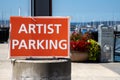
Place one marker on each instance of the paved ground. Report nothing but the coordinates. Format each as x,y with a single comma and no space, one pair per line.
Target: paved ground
80,71
4,51
90,71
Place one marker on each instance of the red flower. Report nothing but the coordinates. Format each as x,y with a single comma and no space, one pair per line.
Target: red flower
79,41
80,45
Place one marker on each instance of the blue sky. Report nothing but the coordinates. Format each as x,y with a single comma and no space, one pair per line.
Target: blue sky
87,10
11,7
78,10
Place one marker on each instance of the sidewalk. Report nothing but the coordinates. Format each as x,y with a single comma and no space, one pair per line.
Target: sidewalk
80,71
90,71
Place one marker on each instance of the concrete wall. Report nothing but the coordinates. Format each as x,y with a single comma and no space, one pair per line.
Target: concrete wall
106,40
41,70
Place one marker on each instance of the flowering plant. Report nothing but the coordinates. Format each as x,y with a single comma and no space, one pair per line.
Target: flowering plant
94,50
78,42
84,43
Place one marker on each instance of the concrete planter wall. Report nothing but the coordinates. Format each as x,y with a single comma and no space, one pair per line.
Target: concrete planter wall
41,70
79,56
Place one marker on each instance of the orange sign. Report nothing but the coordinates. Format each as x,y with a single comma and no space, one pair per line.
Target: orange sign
41,37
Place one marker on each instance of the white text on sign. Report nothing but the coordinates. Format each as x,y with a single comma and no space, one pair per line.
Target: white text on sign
39,44
48,29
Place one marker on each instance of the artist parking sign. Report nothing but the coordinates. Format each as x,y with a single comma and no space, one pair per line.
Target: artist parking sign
40,37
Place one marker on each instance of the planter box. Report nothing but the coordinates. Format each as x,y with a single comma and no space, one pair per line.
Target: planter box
79,56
